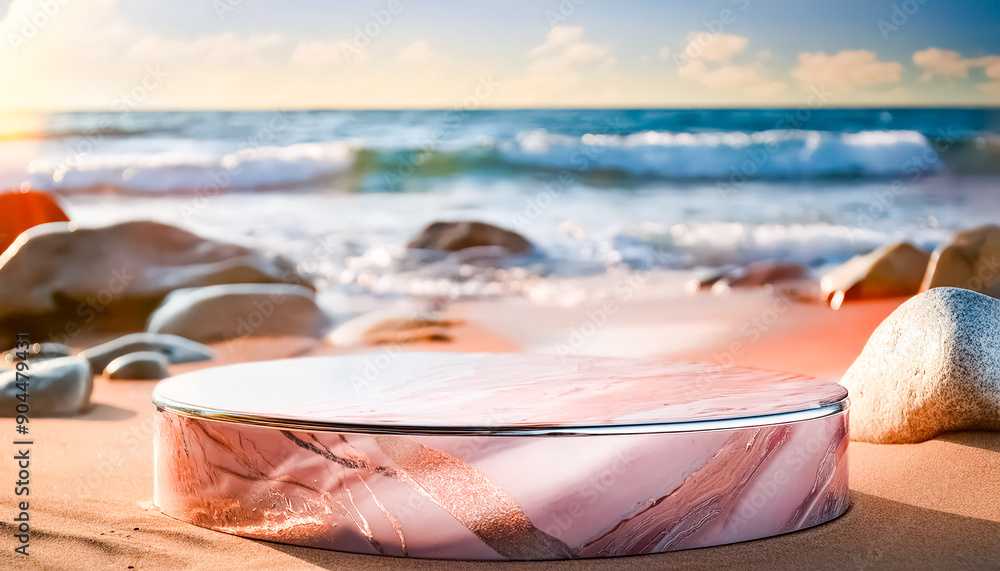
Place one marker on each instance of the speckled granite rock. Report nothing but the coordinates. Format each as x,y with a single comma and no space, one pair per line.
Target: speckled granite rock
57,387
932,366
139,366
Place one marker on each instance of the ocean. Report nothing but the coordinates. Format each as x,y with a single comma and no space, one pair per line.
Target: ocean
596,191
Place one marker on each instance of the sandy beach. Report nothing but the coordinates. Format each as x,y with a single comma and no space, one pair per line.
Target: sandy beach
679,285
928,505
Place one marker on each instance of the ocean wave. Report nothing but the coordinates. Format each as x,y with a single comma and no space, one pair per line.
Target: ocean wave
714,244
775,153
260,167
724,156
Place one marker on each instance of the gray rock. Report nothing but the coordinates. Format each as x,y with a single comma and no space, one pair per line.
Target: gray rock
455,236
932,366
141,366
227,312
175,348
36,352
57,387
63,281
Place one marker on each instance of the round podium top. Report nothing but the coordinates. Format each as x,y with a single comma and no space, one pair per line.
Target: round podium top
460,393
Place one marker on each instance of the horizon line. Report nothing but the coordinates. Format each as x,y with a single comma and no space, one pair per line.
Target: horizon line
42,111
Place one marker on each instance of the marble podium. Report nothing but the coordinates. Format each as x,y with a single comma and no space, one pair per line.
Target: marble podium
521,457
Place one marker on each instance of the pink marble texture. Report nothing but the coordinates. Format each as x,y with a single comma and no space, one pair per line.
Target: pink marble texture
507,497
448,390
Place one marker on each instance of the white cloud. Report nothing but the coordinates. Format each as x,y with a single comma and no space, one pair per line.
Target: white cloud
227,48
846,70
714,47
416,54
724,77
947,63
558,67
558,37
324,54
718,74
564,51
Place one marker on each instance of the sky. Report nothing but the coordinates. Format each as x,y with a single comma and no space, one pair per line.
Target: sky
251,54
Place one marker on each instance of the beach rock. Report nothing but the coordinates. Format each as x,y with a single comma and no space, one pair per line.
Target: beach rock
753,275
455,236
932,366
22,210
227,312
971,261
57,387
36,352
401,324
62,281
176,349
759,274
894,270
402,330
705,279
140,366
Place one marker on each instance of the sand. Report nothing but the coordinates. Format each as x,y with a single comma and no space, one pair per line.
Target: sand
929,505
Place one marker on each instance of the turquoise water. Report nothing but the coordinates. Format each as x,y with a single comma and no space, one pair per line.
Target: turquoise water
593,189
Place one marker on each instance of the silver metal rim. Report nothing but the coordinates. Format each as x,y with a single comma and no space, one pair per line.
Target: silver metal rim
289,423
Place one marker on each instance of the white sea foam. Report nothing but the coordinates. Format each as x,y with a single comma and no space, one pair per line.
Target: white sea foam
246,168
766,153
732,156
